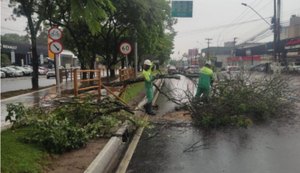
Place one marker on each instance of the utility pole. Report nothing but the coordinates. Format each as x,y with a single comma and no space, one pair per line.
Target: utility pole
276,29
208,41
275,33
234,46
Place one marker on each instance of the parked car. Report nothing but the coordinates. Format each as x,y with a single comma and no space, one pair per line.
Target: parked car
192,70
172,70
16,73
50,73
8,72
28,68
294,67
43,70
259,67
229,72
25,71
233,69
3,75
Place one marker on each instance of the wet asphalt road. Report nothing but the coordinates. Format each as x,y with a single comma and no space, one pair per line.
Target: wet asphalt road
265,148
18,83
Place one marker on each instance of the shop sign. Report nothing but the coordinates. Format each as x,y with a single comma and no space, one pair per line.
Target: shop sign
293,42
5,46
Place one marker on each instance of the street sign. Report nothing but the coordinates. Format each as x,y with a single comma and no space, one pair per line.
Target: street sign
56,47
182,8
125,48
54,33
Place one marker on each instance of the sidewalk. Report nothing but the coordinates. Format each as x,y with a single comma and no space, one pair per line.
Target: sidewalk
31,99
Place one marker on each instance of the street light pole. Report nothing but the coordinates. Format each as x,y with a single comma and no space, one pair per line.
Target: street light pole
246,5
276,25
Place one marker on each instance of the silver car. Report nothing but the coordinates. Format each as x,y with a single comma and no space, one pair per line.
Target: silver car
16,73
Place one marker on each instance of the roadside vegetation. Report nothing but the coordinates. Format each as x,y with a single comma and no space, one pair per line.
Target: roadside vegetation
132,91
67,125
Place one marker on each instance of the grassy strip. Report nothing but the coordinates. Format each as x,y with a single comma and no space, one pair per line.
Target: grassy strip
9,94
132,91
17,156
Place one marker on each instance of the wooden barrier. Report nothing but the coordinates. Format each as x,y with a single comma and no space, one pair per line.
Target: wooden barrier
97,78
125,74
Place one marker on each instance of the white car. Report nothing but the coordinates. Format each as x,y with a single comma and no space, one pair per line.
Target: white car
16,73
294,67
2,74
50,73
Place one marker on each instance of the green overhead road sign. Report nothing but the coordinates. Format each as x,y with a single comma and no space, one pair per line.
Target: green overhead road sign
182,8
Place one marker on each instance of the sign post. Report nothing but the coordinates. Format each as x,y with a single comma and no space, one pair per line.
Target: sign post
56,48
125,49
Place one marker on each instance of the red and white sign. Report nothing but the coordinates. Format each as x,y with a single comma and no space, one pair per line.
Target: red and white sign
244,58
56,47
125,48
54,33
293,42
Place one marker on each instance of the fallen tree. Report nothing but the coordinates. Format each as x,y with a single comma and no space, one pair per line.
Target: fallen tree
140,79
71,123
239,101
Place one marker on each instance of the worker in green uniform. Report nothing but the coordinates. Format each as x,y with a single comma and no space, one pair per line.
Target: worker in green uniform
205,81
147,72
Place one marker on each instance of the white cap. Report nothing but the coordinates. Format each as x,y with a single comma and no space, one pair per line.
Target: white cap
147,62
208,62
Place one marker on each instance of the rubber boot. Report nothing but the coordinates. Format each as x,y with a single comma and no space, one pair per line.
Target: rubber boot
150,111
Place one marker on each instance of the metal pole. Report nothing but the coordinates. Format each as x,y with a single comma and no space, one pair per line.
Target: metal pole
126,64
275,33
246,5
278,29
135,53
208,41
57,56
135,58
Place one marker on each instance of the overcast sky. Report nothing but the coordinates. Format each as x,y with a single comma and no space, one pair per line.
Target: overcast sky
220,20
212,18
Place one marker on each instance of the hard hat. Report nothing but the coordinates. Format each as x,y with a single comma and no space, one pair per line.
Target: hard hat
208,62
147,62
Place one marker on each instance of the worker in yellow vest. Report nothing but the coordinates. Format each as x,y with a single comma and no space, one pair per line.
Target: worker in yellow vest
147,72
205,81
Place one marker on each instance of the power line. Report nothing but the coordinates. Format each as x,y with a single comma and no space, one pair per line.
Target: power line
218,27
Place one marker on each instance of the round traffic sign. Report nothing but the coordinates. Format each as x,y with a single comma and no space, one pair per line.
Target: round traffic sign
125,48
56,47
54,33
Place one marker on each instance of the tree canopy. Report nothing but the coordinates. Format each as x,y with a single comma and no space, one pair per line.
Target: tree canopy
97,27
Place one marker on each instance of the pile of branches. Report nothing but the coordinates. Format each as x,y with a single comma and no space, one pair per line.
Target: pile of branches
241,100
71,124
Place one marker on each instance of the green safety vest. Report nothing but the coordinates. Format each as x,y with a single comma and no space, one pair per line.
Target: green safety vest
205,78
148,83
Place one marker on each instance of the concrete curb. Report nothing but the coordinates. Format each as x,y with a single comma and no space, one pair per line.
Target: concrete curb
132,146
109,157
15,97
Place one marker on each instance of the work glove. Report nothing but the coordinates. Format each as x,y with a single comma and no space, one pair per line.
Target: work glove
157,76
